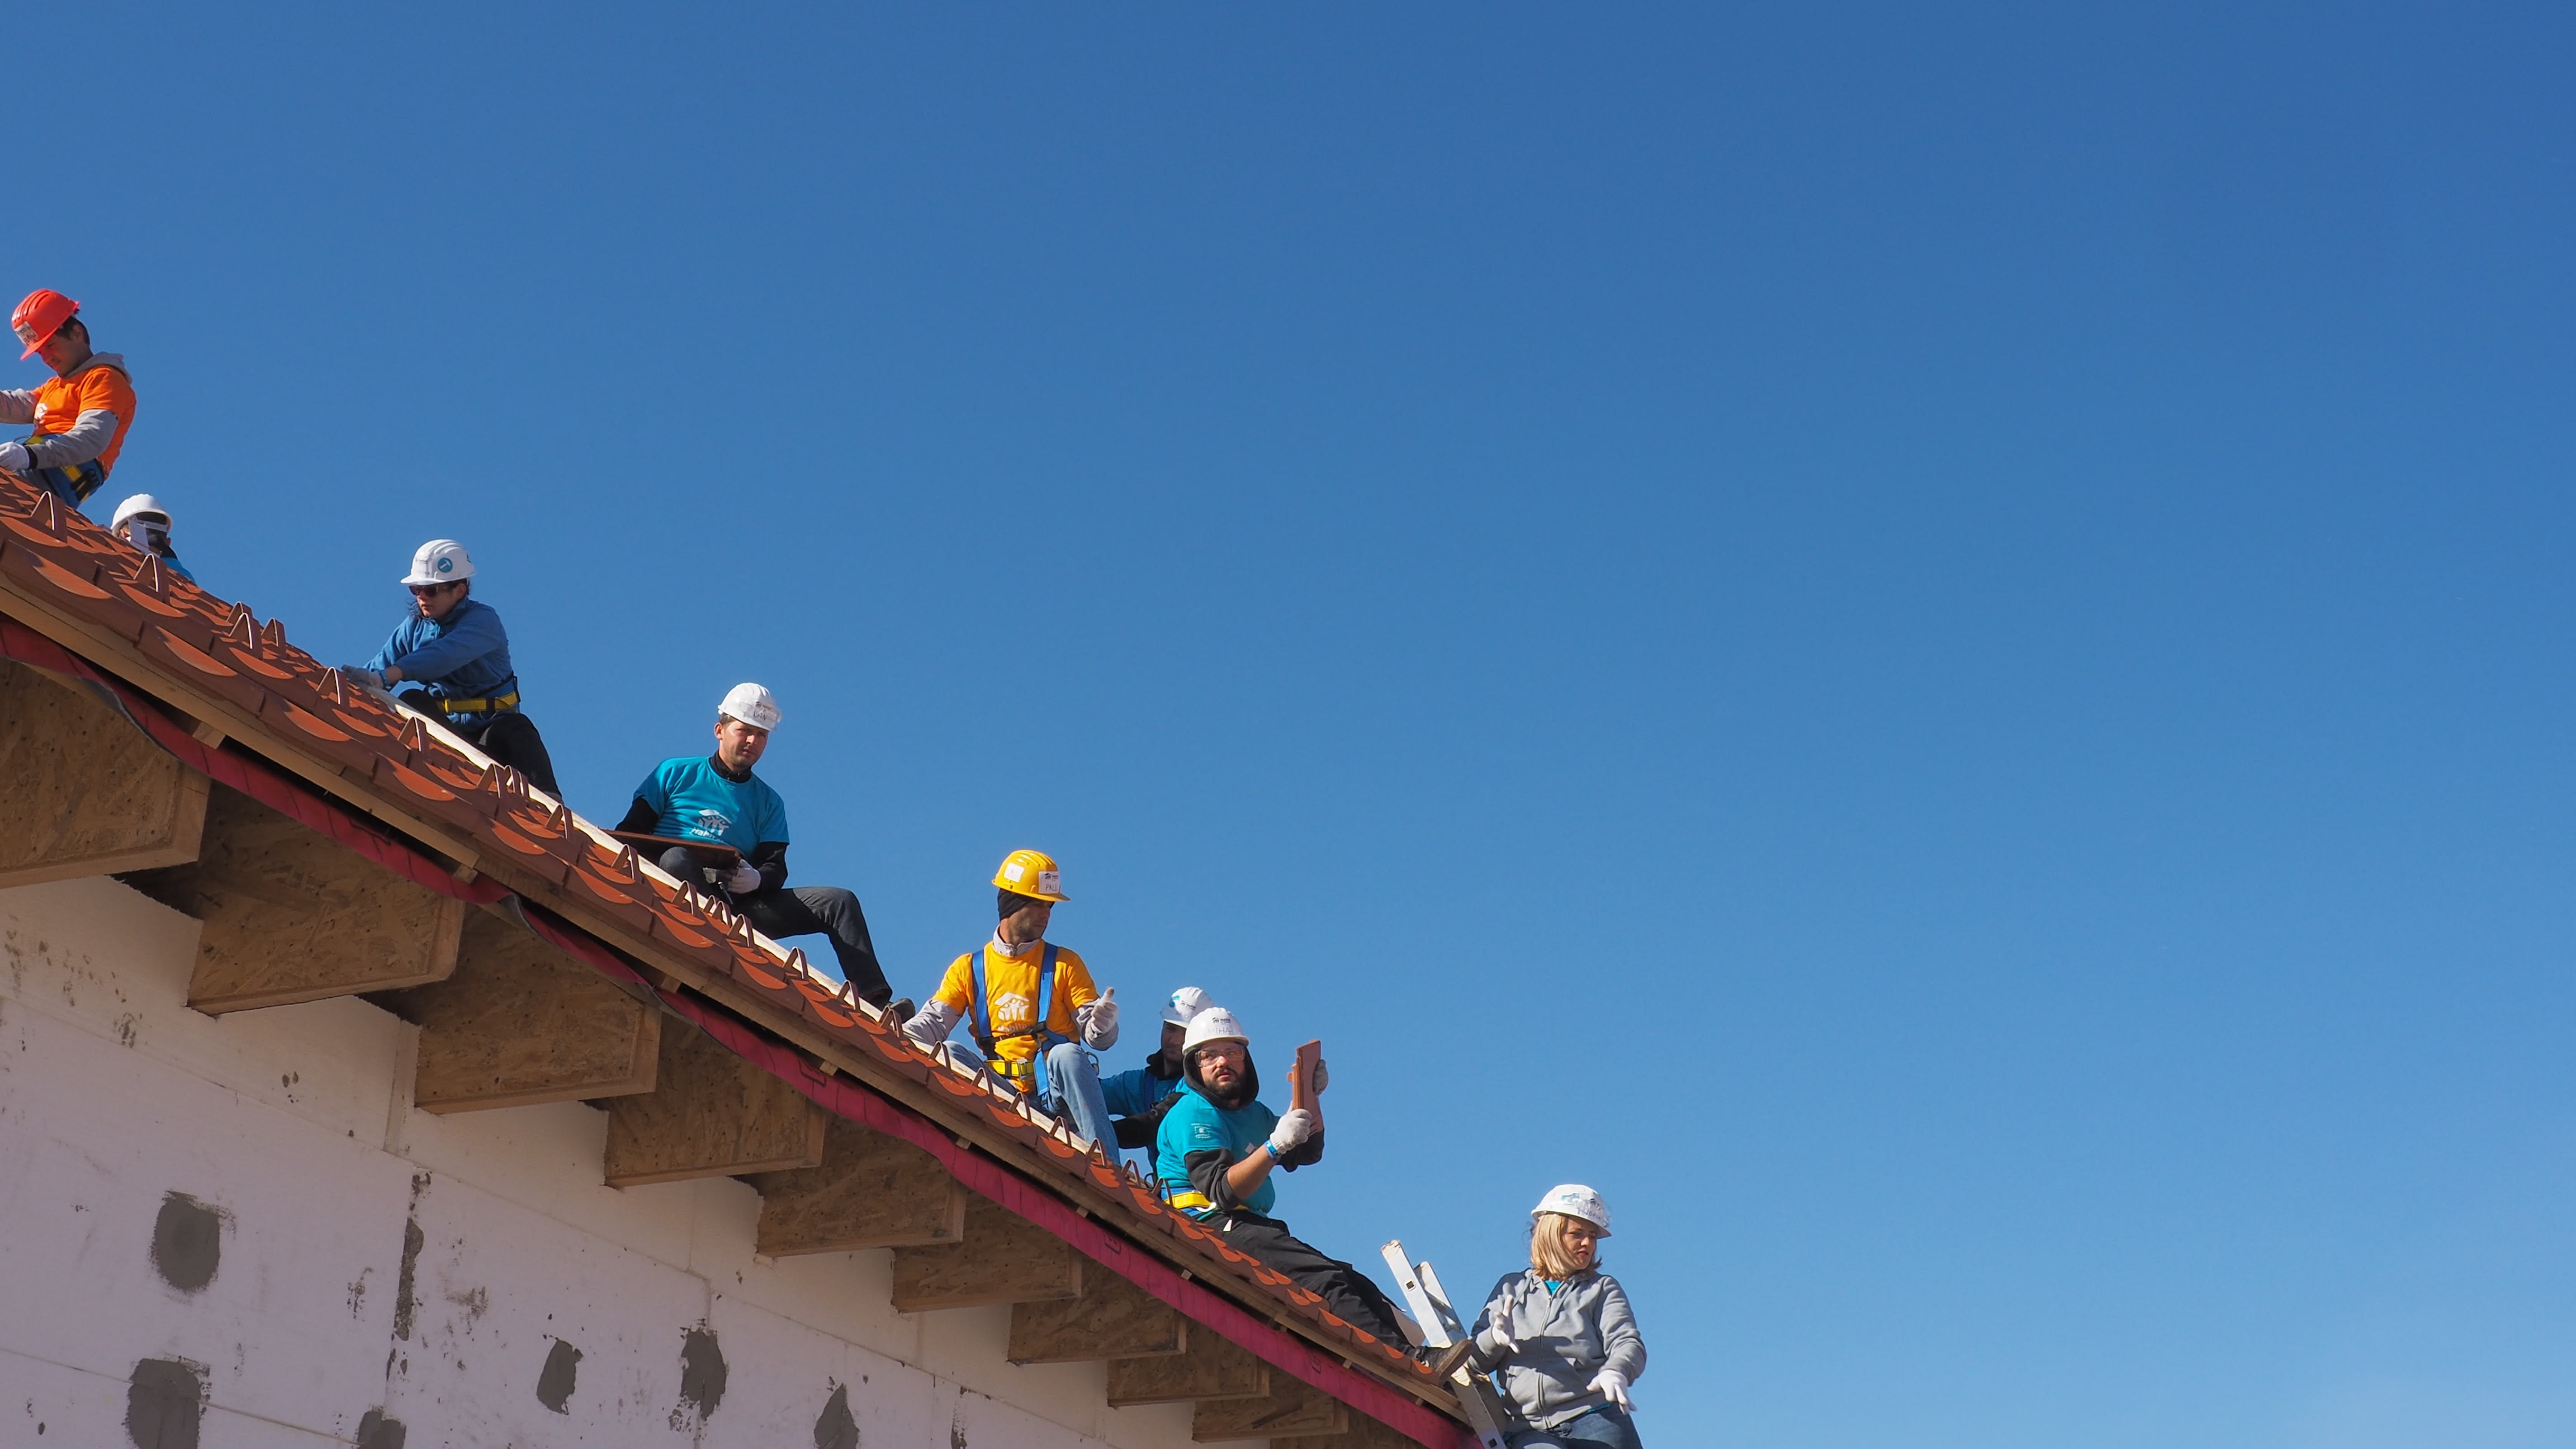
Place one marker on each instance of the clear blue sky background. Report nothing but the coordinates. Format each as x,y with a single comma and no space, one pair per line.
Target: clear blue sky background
1928,644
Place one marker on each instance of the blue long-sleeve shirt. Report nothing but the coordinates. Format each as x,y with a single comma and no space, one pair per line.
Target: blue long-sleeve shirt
463,656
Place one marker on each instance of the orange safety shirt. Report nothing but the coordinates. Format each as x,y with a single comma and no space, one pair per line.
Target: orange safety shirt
94,385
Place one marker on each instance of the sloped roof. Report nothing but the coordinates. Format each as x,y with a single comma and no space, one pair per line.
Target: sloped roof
450,818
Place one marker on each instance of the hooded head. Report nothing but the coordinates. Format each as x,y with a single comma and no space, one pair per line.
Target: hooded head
1216,1024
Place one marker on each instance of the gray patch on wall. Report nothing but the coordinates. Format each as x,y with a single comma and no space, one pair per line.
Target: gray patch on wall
375,1431
702,1373
404,1303
555,1380
164,1403
836,1429
187,1242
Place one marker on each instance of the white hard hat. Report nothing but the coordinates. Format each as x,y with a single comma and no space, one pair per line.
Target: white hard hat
440,561
139,503
1213,1024
1575,1200
752,705
1186,1004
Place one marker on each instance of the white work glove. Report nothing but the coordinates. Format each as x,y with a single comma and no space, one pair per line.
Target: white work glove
13,456
1498,1329
361,675
1103,1027
1612,1385
1293,1128
743,879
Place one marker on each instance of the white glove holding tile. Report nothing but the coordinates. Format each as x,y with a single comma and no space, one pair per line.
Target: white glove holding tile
1294,1127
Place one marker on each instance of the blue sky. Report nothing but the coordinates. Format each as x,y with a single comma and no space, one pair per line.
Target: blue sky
1923,643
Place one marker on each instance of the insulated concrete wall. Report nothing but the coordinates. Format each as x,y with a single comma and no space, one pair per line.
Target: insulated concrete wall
236,1231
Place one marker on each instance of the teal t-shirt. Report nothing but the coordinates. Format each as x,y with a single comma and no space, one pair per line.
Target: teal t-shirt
697,802
1196,1124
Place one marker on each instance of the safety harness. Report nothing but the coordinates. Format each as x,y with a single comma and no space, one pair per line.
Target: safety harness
1029,1076
495,703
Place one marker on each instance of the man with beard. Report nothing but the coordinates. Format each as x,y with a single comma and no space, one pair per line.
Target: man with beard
1213,1157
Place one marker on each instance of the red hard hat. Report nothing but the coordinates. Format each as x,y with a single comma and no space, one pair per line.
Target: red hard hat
44,313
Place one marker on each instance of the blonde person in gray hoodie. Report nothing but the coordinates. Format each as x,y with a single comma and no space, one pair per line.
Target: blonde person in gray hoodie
1561,1338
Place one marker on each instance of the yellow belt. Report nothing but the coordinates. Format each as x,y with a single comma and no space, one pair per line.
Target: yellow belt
478,706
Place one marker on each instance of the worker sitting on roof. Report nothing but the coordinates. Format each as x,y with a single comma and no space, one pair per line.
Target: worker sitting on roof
1025,1000
1138,1099
1213,1157
80,416
453,647
144,523
716,797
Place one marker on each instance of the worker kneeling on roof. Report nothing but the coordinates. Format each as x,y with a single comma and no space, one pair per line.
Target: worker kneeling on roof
1138,1099
716,798
453,649
1213,1159
1026,999
80,417
144,523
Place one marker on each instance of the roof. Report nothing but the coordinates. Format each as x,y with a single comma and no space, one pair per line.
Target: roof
234,700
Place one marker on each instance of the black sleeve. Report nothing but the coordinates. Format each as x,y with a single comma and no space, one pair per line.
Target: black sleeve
640,818
771,857
1306,1153
1207,1174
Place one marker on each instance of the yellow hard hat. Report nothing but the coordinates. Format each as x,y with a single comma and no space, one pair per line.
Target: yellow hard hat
1031,873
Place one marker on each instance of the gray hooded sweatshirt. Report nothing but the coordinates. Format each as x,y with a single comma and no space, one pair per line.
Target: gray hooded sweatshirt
1565,1338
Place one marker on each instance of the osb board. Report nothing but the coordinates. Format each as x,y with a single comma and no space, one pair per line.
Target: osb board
1004,1259
84,792
710,1114
1112,1319
289,916
1208,1367
871,1191
521,1023
1290,1408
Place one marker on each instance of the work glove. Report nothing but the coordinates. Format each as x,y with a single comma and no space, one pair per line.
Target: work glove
13,456
1293,1128
1104,1016
1498,1329
1612,1385
743,879
360,674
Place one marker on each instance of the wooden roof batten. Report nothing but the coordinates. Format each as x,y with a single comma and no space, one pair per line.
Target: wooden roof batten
226,680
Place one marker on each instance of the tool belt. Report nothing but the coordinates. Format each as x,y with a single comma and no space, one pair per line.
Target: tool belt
71,482
494,704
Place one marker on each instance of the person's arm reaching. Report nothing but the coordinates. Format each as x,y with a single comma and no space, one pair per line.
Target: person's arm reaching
930,1025
17,405
1625,1348
1226,1180
86,438
769,857
467,639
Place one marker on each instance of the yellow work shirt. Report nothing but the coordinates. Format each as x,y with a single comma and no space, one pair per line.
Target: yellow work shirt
1012,982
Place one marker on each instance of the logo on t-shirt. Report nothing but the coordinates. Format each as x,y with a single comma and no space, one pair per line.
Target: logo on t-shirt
710,825
1011,1008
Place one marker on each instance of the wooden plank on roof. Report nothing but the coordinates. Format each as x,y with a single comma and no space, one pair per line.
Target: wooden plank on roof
1004,1258
290,916
1289,1408
871,1191
521,1023
710,1114
1112,1319
84,792
1208,1367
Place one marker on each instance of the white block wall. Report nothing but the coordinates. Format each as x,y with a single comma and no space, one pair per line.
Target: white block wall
293,1128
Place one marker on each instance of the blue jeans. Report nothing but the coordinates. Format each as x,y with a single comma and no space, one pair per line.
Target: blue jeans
1608,1424
1073,1093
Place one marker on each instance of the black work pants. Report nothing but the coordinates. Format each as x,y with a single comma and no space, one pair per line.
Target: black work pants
1345,1289
800,911
509,737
